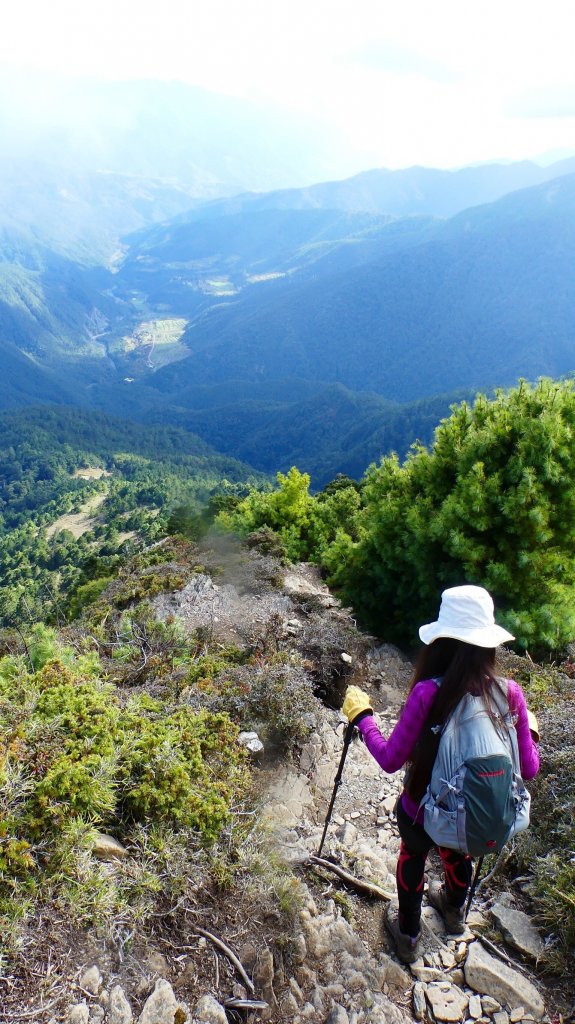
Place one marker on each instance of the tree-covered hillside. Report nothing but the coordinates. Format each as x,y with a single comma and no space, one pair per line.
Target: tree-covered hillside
80,490
332,430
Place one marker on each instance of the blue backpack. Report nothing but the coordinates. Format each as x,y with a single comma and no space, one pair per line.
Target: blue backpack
476,799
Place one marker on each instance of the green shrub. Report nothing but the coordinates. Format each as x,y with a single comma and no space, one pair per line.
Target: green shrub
69,748
276,698
86,594
183,768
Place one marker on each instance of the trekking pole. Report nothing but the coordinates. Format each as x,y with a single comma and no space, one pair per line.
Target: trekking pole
347,737
473,886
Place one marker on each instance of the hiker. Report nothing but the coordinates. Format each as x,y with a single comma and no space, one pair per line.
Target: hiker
458,659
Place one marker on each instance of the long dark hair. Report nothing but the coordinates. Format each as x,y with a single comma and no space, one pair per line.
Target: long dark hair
464,668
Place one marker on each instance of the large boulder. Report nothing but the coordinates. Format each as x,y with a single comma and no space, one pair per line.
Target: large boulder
488,976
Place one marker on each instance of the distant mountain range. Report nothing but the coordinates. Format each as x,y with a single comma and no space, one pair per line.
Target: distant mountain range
407,309
425,191
322,325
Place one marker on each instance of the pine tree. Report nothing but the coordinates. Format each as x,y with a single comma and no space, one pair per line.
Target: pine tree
491,503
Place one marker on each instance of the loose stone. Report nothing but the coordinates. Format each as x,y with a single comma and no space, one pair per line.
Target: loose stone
419,1000
78,1014
447,958
209,1011
447,1005
107,848
160,1007
92,981
484,974
490,1005
119,1011
474,1008
338,1015
518,930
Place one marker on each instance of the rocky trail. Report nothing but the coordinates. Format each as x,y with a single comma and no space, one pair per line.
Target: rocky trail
337,966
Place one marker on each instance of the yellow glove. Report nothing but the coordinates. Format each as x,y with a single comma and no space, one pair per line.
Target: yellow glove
533,725
356,704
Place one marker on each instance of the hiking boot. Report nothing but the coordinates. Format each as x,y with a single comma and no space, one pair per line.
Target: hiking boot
406,947
454,917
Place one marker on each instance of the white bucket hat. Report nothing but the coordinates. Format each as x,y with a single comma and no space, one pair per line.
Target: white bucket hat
467,614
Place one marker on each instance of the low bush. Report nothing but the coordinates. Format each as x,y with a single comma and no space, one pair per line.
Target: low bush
275,698
546,851
69,749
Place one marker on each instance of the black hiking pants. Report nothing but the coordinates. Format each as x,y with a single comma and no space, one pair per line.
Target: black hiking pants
410,871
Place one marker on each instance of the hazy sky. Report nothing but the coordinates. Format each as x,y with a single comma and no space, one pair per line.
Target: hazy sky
437,82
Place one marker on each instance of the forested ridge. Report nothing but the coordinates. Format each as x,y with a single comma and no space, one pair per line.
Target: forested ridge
142,473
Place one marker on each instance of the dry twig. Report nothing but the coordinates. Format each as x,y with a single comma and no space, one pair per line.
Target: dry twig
368,888
229,953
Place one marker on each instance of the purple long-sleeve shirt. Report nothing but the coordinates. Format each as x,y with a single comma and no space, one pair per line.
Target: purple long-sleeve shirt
392,753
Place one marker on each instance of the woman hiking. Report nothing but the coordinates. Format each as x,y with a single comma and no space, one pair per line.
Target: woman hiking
458,659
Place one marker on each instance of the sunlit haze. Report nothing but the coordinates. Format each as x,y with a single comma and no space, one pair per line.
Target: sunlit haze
441,84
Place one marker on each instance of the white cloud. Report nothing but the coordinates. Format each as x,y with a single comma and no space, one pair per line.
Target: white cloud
427,81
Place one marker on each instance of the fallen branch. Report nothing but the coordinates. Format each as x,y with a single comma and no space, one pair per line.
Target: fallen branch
245,1004
228,952
32,1013
368,888
484,941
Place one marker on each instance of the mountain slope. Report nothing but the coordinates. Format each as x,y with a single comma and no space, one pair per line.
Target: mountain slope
422,191
486,300
332,430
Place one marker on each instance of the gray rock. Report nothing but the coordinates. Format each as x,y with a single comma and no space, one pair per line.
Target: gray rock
119,1010
264,969
208,1010
264,976
251,741
78,1014
485,974
308,1012
425,974
288,1006
419,1003
518,930
299,949
161,1006
92,981
97,1015
501,1017
447,959
474,1009
329,934
107,848
447,1002
337,1015
489,1005
296,991
517,1014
